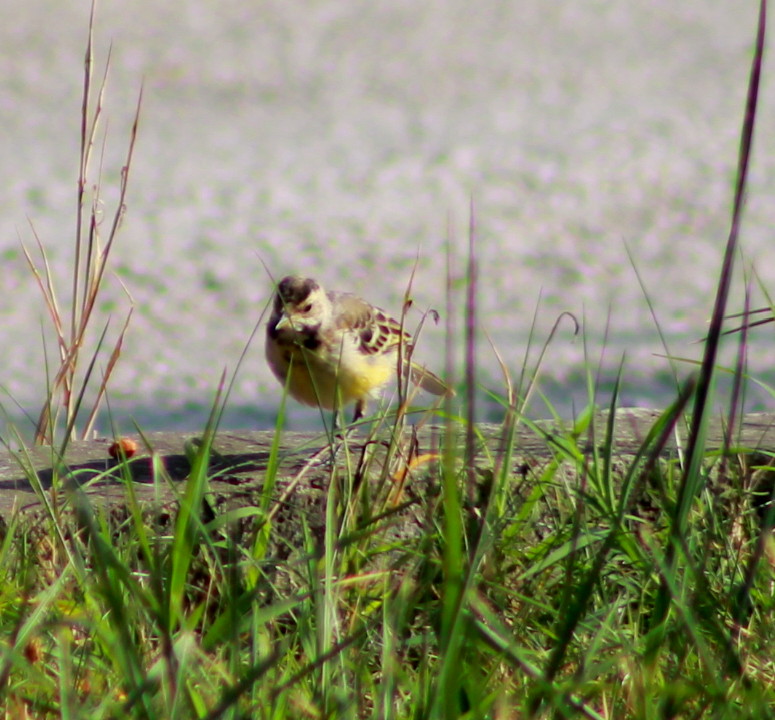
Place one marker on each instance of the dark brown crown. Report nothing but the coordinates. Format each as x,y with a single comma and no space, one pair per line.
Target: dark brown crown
293,290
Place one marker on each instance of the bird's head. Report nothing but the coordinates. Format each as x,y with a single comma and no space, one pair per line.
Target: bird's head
300,305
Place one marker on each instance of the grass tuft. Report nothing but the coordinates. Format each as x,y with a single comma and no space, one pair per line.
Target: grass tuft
67,391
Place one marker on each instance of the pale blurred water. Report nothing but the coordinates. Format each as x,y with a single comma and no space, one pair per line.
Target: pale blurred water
340,139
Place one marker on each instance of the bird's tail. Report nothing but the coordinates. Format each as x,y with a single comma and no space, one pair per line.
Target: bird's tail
428,381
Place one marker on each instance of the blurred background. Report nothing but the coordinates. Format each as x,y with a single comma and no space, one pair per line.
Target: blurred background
344,140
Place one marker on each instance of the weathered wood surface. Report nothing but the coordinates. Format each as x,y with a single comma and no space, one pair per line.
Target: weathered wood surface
240,459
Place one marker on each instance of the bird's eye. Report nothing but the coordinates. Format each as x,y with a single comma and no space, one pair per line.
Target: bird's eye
306,308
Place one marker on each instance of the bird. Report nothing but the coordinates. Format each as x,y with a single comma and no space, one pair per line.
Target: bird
334,348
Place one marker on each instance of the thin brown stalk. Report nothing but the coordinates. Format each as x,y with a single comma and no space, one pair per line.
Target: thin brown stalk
49,295
510,420
101,391
735,402
470,362
101,259
77,398
540,362
404,357
89,267
702,397
87,138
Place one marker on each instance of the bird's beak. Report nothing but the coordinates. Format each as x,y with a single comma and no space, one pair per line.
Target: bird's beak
284,323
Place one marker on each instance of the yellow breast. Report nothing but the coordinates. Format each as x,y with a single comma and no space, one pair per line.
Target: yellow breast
326,378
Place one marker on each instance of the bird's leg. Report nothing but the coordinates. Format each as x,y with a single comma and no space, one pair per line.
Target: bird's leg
360,409
342,430
339,424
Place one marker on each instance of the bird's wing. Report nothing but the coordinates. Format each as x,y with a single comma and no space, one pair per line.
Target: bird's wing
375,330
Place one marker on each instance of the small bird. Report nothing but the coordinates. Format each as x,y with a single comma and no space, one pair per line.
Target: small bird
333,348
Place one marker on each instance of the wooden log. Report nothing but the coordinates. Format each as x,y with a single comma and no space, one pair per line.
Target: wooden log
239,460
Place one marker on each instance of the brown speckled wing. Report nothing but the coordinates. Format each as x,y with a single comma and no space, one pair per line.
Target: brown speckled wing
377,331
